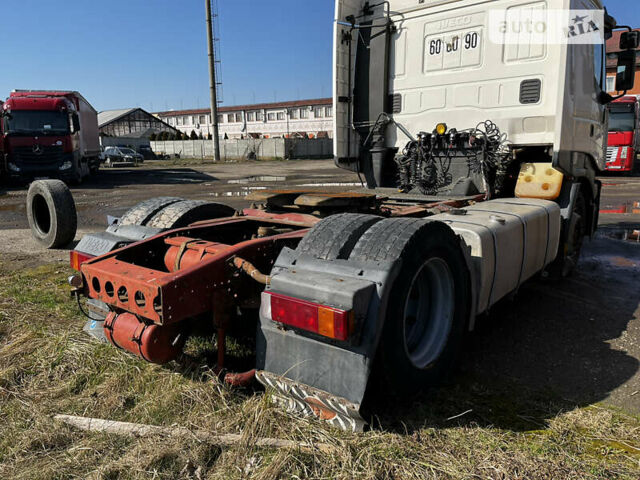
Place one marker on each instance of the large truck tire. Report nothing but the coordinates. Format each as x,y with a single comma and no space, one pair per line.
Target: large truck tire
428,310
145,211
183,213
334,237
51,213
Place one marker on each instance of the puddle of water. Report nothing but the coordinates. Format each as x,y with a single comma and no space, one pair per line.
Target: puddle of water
236,193
629,234
330,184
258,178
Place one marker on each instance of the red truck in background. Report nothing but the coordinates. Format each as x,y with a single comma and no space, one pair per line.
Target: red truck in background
624,138
49,134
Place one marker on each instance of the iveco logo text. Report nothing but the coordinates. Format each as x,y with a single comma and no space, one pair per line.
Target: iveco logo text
453,22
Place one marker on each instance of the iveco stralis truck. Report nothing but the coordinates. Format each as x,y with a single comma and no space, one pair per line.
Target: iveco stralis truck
480,158
49,134
430,101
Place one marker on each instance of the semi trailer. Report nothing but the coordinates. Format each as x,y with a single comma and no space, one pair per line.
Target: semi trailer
479,162
49,133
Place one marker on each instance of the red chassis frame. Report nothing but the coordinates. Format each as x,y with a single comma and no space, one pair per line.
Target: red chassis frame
196,270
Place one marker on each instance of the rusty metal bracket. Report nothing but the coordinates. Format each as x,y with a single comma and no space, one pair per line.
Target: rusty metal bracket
183,248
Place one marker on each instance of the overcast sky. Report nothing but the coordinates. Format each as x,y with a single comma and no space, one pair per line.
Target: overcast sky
153,54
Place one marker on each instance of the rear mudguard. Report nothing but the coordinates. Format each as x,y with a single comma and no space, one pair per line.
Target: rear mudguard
322,377
339,368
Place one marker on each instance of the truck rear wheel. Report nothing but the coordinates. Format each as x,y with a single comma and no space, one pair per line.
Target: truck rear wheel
181,214
428,309
334,237
144,211
51,213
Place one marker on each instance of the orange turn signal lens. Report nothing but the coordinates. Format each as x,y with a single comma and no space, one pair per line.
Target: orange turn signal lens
326,322
78,258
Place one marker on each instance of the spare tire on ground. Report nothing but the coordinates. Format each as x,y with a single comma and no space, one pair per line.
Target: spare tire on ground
183,213
145,211
51,212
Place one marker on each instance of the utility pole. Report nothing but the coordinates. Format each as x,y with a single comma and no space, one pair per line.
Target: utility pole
212,82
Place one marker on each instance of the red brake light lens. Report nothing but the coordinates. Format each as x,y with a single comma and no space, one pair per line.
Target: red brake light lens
326,321
78,258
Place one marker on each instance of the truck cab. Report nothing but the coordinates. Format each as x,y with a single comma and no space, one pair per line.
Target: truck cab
49,134
623,142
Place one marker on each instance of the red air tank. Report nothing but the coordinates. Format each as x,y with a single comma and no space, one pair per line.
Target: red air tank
153,343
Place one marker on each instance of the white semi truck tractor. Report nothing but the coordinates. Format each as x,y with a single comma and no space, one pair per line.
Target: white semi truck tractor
437,101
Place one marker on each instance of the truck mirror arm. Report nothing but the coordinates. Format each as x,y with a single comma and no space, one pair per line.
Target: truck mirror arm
604,98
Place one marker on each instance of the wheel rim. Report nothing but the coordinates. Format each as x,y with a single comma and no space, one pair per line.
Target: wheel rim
428,313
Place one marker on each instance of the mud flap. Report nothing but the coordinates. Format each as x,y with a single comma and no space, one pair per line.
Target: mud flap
303,400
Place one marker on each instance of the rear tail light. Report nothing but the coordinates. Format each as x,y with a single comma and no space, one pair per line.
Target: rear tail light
313,317
78,258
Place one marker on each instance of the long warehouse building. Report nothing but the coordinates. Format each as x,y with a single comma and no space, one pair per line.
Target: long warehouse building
300,118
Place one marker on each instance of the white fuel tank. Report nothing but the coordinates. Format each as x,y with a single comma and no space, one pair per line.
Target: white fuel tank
510,239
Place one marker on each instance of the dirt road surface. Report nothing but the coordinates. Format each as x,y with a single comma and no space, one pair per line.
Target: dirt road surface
579,339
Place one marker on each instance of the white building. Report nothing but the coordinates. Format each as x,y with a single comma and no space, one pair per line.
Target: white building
307,118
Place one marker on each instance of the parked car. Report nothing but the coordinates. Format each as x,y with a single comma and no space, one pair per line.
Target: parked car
113,155
146,152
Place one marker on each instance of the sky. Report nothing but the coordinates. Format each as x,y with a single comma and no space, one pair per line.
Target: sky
153,53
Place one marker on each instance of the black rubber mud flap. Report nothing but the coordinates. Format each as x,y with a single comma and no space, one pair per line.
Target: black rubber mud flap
183,213
334,237
144,211
51,213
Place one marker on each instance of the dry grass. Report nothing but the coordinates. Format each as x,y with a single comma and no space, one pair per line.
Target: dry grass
48,366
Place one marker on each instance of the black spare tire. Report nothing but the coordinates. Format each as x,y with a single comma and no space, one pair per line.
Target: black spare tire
51,212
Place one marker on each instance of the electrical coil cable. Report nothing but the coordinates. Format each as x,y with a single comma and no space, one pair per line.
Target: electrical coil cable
494,159
425,162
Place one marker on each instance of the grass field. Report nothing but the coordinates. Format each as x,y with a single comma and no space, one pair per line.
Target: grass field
48,366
